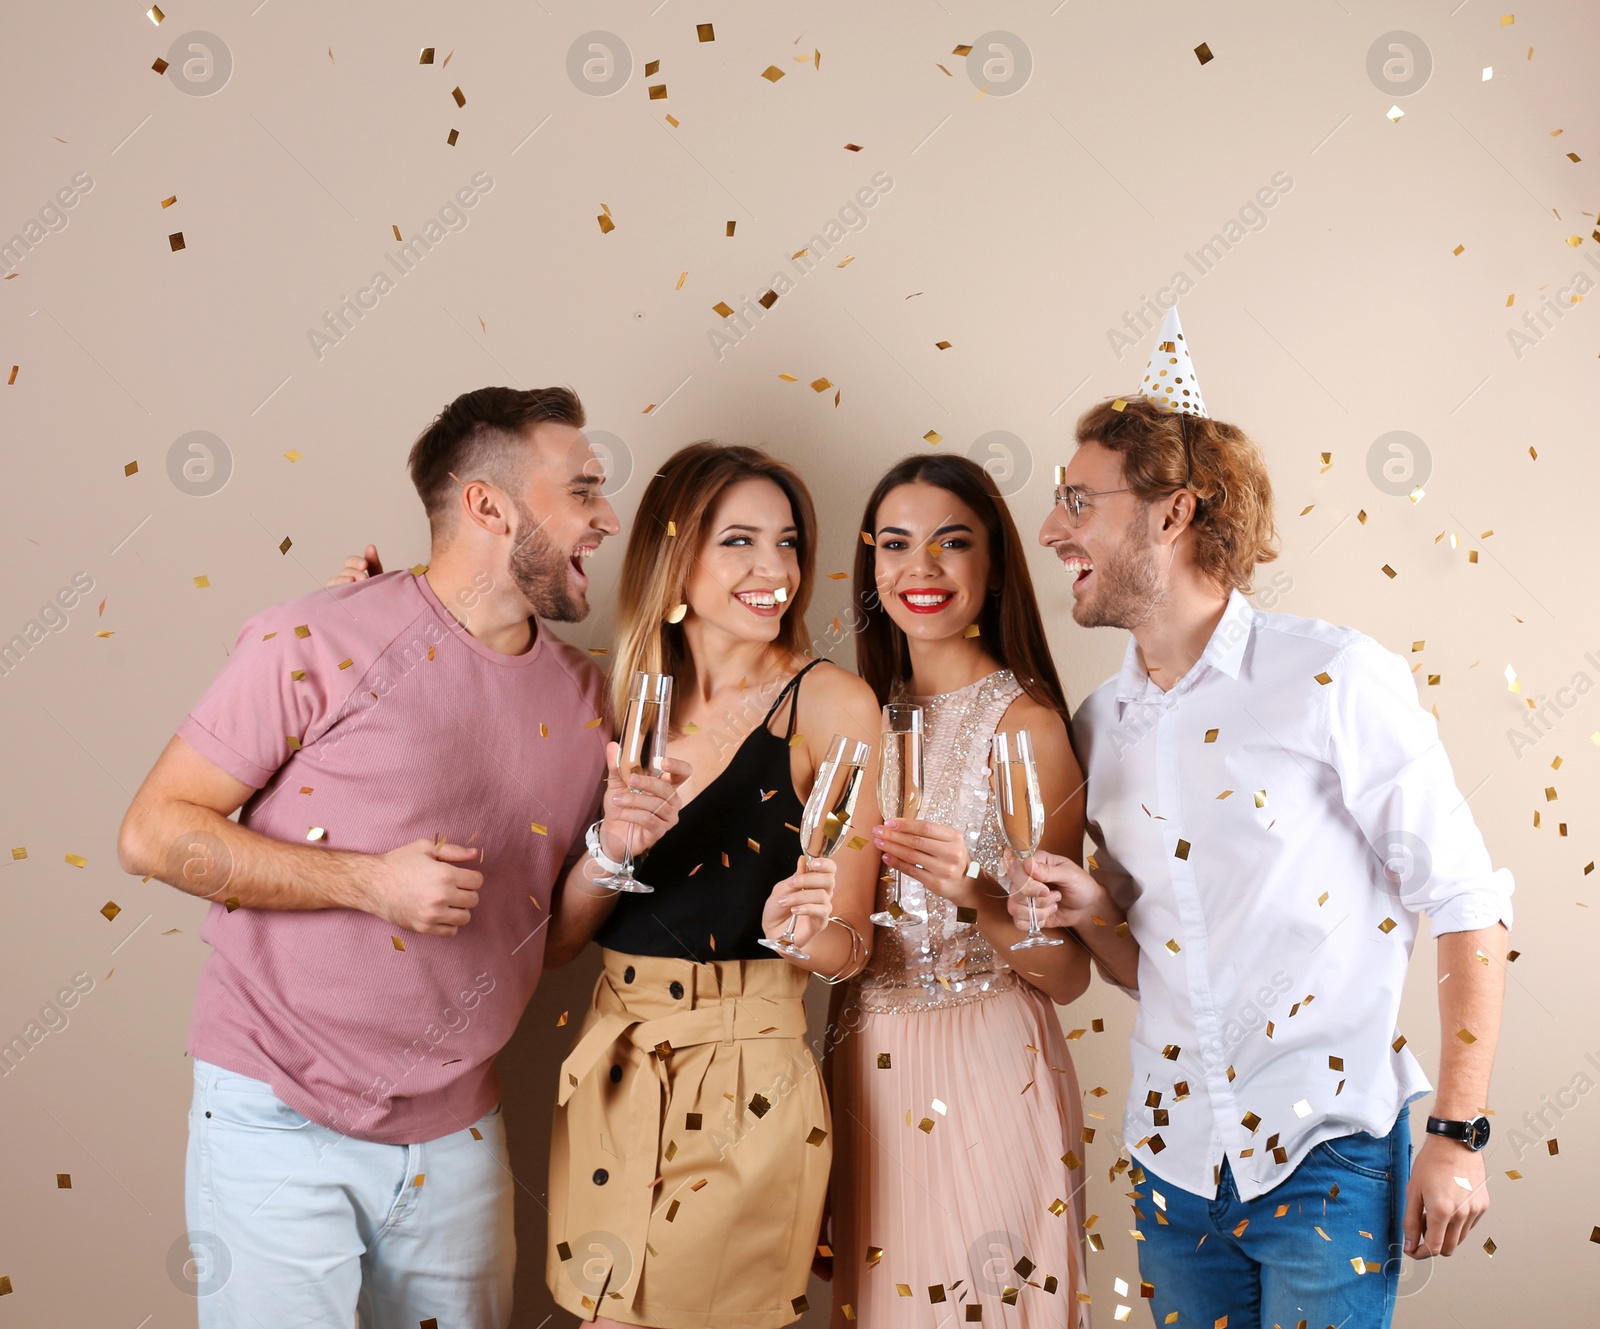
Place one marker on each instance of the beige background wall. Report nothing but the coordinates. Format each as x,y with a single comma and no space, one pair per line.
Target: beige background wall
1018,227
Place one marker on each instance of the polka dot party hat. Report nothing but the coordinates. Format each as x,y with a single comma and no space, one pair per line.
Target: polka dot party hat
1169,380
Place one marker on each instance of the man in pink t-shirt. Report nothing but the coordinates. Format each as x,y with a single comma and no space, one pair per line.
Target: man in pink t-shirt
415,761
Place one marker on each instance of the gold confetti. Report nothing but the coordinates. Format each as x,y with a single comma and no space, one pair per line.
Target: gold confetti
820,385
19,853
1388,925
63,1181
772,73
398,944
1203,53
457,94
1389,572
1182,851
154,14
883,1061
427,56
452,137
971,630
704,32
1172,945
176,241
13,379
1324,678
1458,250
110,909
160,67
606,224
77,860
933,436
1119,405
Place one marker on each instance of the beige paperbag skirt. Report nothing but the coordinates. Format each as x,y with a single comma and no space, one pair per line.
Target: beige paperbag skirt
691,1146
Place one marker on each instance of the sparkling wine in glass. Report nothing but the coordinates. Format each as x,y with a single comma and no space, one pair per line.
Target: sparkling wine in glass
641,750
1014,778
899,789
827,817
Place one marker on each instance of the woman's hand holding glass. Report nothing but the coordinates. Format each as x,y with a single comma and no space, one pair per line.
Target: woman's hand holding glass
799,906
933,854
639,810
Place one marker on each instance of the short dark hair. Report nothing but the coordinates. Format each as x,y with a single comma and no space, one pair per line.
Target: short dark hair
477,436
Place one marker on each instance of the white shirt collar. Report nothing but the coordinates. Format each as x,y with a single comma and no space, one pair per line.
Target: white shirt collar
1224,652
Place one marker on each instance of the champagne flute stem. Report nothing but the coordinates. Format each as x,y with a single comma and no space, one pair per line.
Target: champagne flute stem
1033,919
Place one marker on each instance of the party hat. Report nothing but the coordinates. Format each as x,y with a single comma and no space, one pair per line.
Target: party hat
1169,381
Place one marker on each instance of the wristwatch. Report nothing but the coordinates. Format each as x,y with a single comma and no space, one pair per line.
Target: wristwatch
1474,1134
591,840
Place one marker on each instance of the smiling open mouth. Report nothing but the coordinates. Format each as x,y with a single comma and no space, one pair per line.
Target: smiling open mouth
765,602
926,602
1078,568
576,561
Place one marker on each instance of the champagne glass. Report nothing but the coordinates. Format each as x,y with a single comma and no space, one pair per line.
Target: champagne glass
899,788
1014,778
641,750
827,816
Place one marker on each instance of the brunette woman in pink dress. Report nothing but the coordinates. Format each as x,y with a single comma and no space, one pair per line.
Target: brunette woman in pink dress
958,1158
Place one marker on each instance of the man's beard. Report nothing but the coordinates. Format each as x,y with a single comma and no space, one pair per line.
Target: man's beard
1131,584
539,570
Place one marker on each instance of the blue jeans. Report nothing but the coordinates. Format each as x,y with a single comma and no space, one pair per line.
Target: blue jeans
292,1223
1280,1271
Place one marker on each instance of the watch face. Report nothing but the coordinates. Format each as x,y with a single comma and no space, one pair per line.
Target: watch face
1478,1132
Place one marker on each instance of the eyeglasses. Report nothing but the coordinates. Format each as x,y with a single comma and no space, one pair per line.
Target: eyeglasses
1073,500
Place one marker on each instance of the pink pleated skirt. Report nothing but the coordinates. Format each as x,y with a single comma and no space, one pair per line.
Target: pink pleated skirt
955,1129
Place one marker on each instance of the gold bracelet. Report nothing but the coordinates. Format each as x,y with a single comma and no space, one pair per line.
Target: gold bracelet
858,948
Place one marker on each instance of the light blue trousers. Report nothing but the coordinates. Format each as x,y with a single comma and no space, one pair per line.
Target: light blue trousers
291,1223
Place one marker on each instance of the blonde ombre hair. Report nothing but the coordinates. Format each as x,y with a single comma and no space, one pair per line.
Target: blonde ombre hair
668,531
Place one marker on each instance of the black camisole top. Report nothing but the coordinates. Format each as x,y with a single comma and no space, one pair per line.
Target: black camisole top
713,871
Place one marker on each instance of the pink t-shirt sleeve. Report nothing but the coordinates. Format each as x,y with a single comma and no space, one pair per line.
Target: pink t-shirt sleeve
256,711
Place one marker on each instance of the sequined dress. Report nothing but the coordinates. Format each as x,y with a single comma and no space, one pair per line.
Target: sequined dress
954,1094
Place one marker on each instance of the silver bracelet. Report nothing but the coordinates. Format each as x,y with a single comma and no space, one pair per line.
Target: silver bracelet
858,955
591,838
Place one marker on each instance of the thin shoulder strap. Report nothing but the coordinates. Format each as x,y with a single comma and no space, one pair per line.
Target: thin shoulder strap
791,693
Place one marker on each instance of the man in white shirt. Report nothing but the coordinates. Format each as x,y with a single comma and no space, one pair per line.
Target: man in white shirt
1272,809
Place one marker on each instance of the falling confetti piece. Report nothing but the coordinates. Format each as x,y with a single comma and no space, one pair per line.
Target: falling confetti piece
110,909
154,14
160,65
705,32
77,860
1203,53
772,73
607,226
933,436
427,56
398,944
176,241
459,96
202,582
820,385
1395,114
453,136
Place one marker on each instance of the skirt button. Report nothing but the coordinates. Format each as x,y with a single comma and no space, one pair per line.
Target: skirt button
627,974
676,989
616,1075
601,1176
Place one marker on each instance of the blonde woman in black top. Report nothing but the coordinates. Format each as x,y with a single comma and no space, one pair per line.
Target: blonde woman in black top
692,1136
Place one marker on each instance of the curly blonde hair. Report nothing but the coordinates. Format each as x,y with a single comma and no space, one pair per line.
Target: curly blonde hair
1218,463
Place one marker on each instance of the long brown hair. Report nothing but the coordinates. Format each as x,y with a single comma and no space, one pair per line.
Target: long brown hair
667,533
1163,451
1009,622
